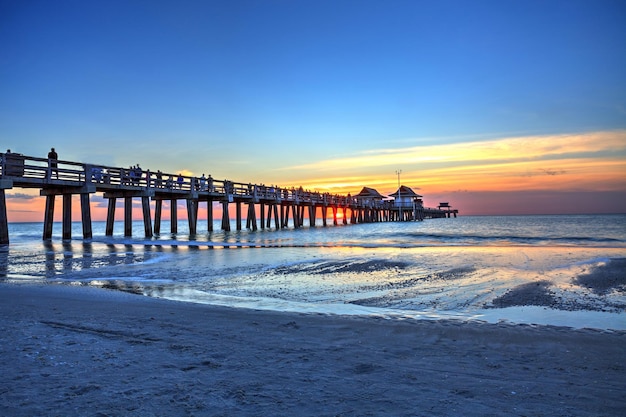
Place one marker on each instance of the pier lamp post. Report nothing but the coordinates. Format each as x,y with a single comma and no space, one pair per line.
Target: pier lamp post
398,172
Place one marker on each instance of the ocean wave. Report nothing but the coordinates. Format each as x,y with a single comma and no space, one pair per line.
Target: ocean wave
414,240
457,238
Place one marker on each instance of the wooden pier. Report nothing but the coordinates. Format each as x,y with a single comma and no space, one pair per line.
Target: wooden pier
276,205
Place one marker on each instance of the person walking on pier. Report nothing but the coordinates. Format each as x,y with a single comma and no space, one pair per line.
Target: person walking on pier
52,163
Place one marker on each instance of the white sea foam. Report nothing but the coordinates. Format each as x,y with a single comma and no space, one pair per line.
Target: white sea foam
514,315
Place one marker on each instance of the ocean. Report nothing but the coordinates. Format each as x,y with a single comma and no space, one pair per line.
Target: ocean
566,270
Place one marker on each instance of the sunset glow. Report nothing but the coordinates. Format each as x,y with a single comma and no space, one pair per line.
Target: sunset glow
492,116
570,164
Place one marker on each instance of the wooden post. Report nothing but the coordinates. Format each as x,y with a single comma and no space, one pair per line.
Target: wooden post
48,217
262,209
4,222
158,210
147,221
270,207
251,222
276,221
67,216
296,216
225,217
312,215
173,216
85,211
110,216
209,209
238,214
284,216
192,215
254,224
324,215
128,216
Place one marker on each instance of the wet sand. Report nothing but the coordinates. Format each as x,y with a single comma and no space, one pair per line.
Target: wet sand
76,351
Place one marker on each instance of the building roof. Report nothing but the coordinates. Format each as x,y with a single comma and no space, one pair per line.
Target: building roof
404,192
367,192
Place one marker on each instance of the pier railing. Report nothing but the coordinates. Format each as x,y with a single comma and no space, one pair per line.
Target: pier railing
32,172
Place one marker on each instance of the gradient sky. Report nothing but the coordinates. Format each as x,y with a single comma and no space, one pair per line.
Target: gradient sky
499,107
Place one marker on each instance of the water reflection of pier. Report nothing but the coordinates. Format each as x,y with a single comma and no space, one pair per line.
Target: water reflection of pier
264,205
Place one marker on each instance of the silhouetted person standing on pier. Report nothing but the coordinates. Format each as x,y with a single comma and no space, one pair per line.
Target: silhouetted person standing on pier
52,163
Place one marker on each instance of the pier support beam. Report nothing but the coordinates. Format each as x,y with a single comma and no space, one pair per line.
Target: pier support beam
67,216
50,193
296,216
4,222
238,214
85,211
110,216
276,220
192,215
128,211
251,219
268,223
209,209
225,217
158,210
147,221
48,217
173,216
312,215
128,216
284,216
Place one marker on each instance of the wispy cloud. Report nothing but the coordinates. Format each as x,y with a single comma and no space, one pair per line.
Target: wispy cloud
552,172
496,150
20,196
591,161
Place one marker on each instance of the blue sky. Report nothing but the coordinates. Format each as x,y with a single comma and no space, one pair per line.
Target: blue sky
247,89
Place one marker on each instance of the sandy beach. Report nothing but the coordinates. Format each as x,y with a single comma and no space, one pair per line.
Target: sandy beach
74,351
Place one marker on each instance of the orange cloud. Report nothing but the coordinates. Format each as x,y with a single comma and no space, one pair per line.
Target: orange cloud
592,161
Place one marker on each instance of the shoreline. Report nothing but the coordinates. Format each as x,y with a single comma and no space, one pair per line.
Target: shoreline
517,314
77,351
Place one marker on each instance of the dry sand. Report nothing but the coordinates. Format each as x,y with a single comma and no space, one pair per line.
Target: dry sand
74,351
